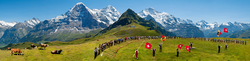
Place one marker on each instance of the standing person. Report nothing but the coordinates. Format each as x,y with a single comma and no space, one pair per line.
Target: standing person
191,44
219,49
160,47
245,42
99,50
136,54
95,52
226,46
154,52
177,52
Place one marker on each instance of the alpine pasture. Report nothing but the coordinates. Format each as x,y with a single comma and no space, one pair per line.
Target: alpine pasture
204,51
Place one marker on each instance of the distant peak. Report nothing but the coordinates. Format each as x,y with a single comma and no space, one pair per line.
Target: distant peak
79,3
152,11
129,10
78,6
110,6
151,8
203,21
215,23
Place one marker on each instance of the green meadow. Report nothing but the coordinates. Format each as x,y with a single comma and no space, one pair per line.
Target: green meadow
204,51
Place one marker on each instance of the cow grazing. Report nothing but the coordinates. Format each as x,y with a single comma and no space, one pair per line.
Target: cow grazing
56,51
44,45
16,50
33,46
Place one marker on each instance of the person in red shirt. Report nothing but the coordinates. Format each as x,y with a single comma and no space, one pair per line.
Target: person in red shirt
136,54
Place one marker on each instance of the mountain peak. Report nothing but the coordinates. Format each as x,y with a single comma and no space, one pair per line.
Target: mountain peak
109,8
78,7
32,22
214,23
203,21
150,8
7,24
129,10
79,3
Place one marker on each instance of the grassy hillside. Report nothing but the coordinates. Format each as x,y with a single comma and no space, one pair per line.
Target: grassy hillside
204,51
19,45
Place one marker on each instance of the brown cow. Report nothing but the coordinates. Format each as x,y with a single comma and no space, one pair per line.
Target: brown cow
44,45
8,48
16,50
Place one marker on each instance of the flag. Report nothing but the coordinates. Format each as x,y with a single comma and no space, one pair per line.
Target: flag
180,46
162,36
188,48
218,33
163,40
148,45
225,30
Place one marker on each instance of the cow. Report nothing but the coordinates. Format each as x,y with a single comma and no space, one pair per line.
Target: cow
44,45
16,50
56,51
33,46
8,48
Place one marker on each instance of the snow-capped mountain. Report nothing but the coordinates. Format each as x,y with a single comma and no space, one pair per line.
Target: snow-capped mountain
210,30
32,22
83,18
162,17
7,24
76,21
176,25
19,30
203,25
109,14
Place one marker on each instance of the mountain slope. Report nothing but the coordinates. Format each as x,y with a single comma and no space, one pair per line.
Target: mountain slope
15,33
4,26
210,30
169,22
240,34
130,17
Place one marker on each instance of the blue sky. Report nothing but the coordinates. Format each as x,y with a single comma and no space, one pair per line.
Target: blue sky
220,11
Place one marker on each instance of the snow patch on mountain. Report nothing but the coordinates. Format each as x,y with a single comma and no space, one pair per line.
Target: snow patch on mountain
32,22
109,13
225,24
162,18
172,30
7,24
